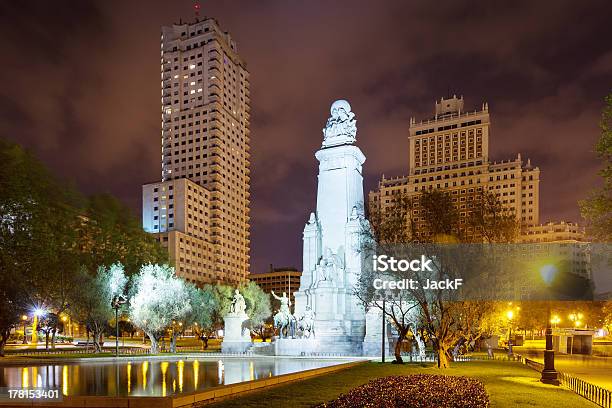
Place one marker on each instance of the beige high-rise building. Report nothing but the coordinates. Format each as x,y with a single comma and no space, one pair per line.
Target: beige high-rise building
205,111
278,280
450,151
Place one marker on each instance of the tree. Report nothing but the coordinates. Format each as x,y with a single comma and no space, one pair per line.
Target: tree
158,298
198,315
93,305
110,233
446,320
222,298
126,326
607,315
440,215
9,314
38,239
597,208
492,221
203,311
258,306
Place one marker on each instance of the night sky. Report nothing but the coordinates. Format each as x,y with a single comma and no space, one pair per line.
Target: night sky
81,88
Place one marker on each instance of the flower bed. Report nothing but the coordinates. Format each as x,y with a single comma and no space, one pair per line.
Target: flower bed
418,391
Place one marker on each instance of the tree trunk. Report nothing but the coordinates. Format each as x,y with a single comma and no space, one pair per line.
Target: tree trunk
46,340
87,340
398,346
96,340
457,348
53,340
154,346
173,343
443,361
398,351
421,343
3,339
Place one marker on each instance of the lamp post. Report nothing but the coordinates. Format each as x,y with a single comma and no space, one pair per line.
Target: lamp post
549,374
24,318
144,335
116,303
383,330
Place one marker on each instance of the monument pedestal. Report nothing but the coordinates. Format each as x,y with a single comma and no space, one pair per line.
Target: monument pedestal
236,339
372,342
294,347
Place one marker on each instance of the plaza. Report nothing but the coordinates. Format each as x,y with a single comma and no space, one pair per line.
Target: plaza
294,205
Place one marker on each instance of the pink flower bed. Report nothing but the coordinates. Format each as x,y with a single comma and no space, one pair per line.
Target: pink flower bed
415,391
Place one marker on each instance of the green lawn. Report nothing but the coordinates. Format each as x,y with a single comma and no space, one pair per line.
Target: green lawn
509,384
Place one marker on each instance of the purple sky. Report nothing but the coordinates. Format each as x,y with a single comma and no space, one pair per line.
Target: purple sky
81,88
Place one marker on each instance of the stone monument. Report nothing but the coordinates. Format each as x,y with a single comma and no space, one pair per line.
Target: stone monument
331,260
236,337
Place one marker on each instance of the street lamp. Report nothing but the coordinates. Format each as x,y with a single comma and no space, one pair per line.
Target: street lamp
37,314
24,318
549,374
116,303
577,319
509,315
383,331
555,320
144,334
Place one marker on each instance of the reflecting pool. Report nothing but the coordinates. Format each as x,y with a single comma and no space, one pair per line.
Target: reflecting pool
154,377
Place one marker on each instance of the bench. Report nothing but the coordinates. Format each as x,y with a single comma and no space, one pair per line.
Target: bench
84,343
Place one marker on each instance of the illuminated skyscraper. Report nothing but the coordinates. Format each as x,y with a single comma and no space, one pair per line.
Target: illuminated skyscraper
200,209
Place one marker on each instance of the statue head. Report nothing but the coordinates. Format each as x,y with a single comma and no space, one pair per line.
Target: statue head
237,292
327,253
284,294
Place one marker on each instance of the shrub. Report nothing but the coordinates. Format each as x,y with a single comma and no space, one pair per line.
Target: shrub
418,391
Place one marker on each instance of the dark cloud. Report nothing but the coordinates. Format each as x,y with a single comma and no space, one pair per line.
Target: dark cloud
81,88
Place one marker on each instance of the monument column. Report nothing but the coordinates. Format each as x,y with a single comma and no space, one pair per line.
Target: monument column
332,262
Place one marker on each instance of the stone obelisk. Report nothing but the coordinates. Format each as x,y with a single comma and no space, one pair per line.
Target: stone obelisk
332,263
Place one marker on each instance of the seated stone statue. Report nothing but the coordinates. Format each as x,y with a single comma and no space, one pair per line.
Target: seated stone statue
238,306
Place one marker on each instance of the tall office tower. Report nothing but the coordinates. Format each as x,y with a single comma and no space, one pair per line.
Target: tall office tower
451,152
205,140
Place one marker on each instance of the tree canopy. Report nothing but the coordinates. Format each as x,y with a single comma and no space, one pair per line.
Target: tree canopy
597,208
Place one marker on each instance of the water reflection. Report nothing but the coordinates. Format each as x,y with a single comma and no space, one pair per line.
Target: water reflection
151,378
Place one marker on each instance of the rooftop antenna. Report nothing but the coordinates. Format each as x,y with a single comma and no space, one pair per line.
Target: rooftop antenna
196,10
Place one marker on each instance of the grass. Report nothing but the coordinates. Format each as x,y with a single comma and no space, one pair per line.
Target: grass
509,384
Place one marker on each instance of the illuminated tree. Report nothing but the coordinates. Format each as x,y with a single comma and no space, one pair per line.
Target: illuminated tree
204,303
158,298
93,304
258,305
